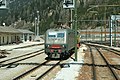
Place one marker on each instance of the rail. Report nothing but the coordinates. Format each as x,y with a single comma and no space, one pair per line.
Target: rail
93,65
10,63
113,72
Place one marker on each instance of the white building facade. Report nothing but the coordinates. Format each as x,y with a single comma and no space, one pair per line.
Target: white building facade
10,35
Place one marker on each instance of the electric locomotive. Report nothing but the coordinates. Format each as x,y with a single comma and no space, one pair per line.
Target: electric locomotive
58,42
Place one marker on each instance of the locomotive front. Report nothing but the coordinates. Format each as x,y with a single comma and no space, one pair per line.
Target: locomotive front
55,43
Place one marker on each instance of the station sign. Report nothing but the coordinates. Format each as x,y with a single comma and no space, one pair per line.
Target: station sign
68,4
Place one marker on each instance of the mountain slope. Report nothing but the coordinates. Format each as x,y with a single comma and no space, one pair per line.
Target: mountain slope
22,13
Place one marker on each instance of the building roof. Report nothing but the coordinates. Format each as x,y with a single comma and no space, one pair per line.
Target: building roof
25,31
13,30
8,30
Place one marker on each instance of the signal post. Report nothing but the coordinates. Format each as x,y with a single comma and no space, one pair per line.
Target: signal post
71,4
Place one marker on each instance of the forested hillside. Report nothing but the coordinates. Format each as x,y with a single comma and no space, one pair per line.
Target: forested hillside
22,13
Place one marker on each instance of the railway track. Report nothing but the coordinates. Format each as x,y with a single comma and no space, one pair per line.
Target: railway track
117,52
116,77
20,58
39,71
93,64
28,46
101,66
109,66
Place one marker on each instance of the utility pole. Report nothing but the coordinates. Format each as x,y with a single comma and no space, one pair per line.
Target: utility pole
101,34
105,21
110,23
71,19
70,4
38,23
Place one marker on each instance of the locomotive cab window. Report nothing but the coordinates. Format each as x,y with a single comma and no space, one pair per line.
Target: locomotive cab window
55,37
60,35
52,36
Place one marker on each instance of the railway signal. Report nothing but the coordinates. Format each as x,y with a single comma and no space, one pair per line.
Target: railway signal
3,4
69,4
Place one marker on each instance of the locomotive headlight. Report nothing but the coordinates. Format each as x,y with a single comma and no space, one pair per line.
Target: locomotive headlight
48,45
63,45
59,51
51,50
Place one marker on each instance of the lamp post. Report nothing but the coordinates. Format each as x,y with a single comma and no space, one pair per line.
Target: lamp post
101,34
71,17
35,26
38,23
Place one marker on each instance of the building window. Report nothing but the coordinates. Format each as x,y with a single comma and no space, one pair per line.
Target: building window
3,39
30,38
25,37
7,39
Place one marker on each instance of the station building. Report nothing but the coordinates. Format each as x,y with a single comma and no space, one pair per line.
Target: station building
26,35
9,35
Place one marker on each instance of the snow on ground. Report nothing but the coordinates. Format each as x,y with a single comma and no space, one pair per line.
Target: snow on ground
71,73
